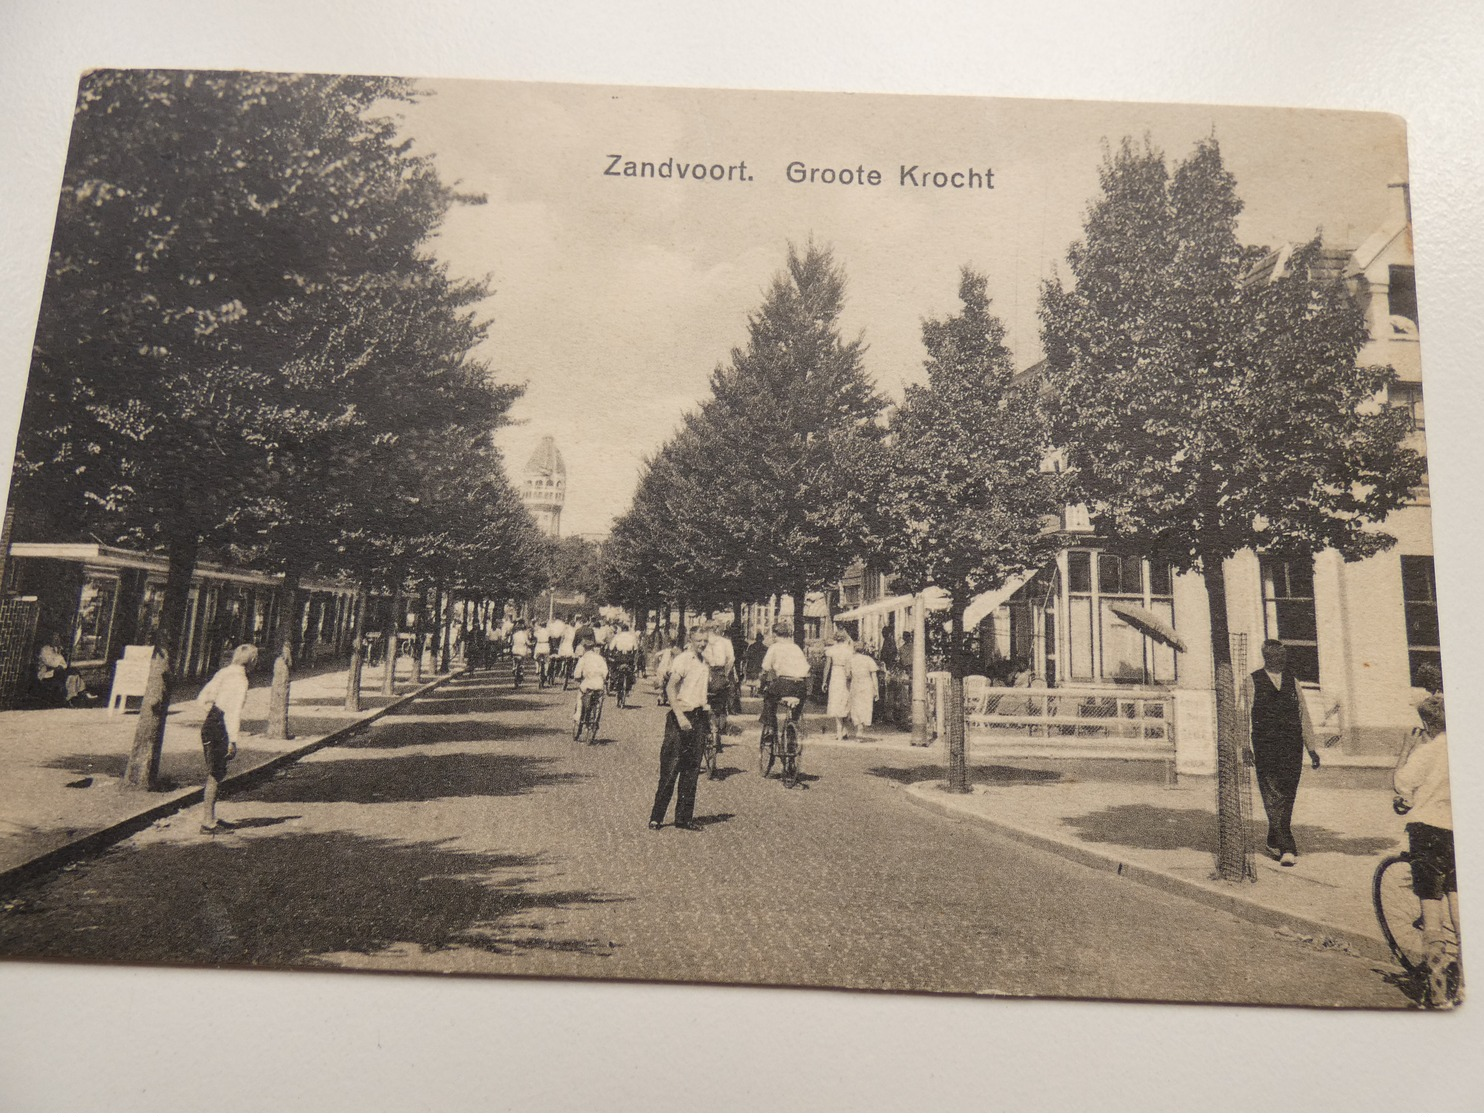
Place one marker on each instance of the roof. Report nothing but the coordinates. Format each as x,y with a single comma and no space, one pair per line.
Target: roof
1331,264
547,459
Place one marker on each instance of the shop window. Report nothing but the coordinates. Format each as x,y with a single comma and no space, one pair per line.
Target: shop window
1408,397
1420,600
1288,613
1102,645
151,605
94,620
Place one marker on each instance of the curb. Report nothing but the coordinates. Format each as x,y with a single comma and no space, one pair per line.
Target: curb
1212,895
98,840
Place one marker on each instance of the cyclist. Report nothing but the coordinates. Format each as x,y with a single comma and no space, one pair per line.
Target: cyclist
520,649
721,658
1422,794
785,674
566,652
624,649
542,638
591,676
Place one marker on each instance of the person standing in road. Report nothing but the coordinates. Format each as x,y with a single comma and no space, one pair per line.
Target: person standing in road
1281,733
685,726
222,700
754,660
837,680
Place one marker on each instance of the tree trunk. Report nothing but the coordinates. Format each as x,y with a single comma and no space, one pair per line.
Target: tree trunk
417,637
435,637
958,763
680,625
1231,844
143,769
447,657
799,594
394,626
283,665
353,676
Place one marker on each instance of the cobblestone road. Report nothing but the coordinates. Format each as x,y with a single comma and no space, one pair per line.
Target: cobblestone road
470,834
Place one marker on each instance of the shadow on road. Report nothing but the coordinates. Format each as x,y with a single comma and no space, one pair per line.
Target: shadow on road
286,899
411,779
978,773
402,734
1142,826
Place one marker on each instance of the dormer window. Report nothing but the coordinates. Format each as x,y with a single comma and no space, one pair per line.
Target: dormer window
1401,297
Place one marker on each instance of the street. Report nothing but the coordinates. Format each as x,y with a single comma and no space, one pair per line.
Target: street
469,833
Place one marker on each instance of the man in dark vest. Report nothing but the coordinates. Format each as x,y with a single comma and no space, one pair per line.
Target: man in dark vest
1280,735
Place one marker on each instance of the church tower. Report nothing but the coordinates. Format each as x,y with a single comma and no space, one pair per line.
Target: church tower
544,487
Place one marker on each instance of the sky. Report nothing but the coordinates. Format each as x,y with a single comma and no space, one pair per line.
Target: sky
614,297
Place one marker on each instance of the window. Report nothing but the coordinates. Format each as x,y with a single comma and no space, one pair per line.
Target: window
94,620
1401,294
1408,397
1288,613
1420,601
1103,645
150,606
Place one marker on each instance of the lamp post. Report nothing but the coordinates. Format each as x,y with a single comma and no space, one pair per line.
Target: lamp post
919,671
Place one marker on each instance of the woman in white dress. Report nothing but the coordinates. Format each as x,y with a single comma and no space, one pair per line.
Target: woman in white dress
837,680
863,684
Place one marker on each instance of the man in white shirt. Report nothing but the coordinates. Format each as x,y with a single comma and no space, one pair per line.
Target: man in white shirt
721,657
591,676
785,674
687,721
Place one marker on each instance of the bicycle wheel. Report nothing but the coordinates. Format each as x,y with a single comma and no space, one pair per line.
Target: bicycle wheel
597,718
518,673
1398,911
713,735
765,756
789,748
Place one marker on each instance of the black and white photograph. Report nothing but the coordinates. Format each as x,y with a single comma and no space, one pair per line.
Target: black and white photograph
688,536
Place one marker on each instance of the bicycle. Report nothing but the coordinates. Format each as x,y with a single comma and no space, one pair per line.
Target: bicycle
591,717
542,682
623,682
780,743
1398,912
519,670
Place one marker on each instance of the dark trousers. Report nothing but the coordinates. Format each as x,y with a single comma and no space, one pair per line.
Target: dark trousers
680,767
1278,784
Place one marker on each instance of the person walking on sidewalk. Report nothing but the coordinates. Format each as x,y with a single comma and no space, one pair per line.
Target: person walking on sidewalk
1423,796
685,727
222,699
1281,733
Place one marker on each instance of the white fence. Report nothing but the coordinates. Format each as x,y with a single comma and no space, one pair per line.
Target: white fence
1035,722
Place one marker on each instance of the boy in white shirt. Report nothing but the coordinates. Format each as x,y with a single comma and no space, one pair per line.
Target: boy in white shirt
222,700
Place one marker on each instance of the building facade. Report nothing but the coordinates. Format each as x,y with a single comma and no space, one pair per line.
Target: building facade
1357,633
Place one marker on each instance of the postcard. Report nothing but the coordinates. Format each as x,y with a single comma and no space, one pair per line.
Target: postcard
867,542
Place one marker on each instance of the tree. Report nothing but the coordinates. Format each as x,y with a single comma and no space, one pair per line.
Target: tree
781,443
963,494
1204,411
204,220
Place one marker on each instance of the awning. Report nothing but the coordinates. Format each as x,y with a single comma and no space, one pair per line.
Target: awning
937,600
876,608
987,603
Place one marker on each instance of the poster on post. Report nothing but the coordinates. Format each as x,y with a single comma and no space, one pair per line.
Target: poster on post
870,542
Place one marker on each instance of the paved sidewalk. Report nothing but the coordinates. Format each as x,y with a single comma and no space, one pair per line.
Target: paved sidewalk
60,770
1165,837
1121,816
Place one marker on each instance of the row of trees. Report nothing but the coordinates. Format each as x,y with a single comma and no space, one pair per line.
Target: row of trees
1198,412
246,348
